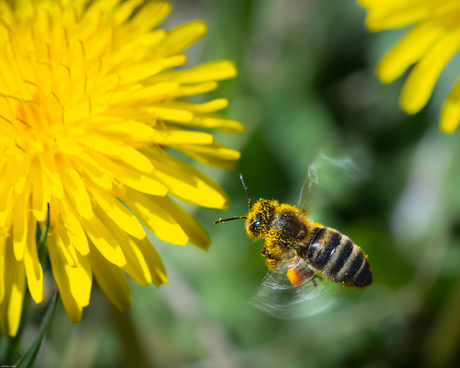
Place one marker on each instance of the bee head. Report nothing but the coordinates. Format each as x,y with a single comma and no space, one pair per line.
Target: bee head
259,217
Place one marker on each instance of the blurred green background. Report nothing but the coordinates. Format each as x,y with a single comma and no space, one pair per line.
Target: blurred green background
306,83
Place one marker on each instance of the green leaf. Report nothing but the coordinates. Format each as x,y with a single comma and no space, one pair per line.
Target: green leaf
28,359
41,244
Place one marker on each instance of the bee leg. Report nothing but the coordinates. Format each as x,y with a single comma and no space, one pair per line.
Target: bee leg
313,279
271,258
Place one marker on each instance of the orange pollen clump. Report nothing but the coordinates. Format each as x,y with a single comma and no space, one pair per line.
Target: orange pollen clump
295,276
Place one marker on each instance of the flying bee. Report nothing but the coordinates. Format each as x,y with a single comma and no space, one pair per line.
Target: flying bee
301,250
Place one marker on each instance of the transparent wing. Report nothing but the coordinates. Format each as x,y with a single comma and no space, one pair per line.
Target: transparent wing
327,179
279,298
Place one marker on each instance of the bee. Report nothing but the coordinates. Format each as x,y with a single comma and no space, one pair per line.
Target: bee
309,249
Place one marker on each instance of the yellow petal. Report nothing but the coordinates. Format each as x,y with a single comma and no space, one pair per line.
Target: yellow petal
14,283
146,94
133,178
124,10
450,113
93,170
68,146
48,164
72,227
196,233
419,84
393,13
64,243
118,150
74,283
40,191
216,122
140,71
171,114
151,15
32,265
212,71
186,182
2,267
156,218
104,241
179,137
180,38
195,89
110,279
199,108
20,220
22,172
129,130
215,155
135,266
6,201
154,262
118,213
75,188
408,51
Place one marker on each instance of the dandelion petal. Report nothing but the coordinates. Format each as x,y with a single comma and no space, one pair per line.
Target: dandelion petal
104,241
14,284
111,280
408,51
450,113
74,283
32,265
419,84
157,219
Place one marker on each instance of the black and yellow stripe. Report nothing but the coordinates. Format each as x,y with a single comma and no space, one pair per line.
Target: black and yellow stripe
338,258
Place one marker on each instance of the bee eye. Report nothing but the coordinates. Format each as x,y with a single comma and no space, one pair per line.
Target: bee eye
257,221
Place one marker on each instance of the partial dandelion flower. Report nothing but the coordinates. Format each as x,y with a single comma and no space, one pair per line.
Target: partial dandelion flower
89,105
430,44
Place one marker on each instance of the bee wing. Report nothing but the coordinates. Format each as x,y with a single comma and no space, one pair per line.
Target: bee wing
323,178
278,297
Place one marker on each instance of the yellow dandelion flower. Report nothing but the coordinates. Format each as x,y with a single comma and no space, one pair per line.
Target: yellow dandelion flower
88,105
430,44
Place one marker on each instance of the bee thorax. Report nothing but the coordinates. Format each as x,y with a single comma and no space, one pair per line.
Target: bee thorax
288,225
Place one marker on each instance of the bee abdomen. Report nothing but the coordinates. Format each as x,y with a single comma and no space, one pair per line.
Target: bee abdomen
338,258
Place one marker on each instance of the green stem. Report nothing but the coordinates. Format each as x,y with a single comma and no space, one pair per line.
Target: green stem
134,354
42,239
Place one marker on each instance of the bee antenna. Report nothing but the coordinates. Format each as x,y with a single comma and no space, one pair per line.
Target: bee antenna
230,219
246,190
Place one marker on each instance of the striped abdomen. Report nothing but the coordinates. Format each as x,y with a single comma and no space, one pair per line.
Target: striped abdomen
338,258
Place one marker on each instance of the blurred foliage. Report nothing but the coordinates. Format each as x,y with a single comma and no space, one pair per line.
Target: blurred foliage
306,83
